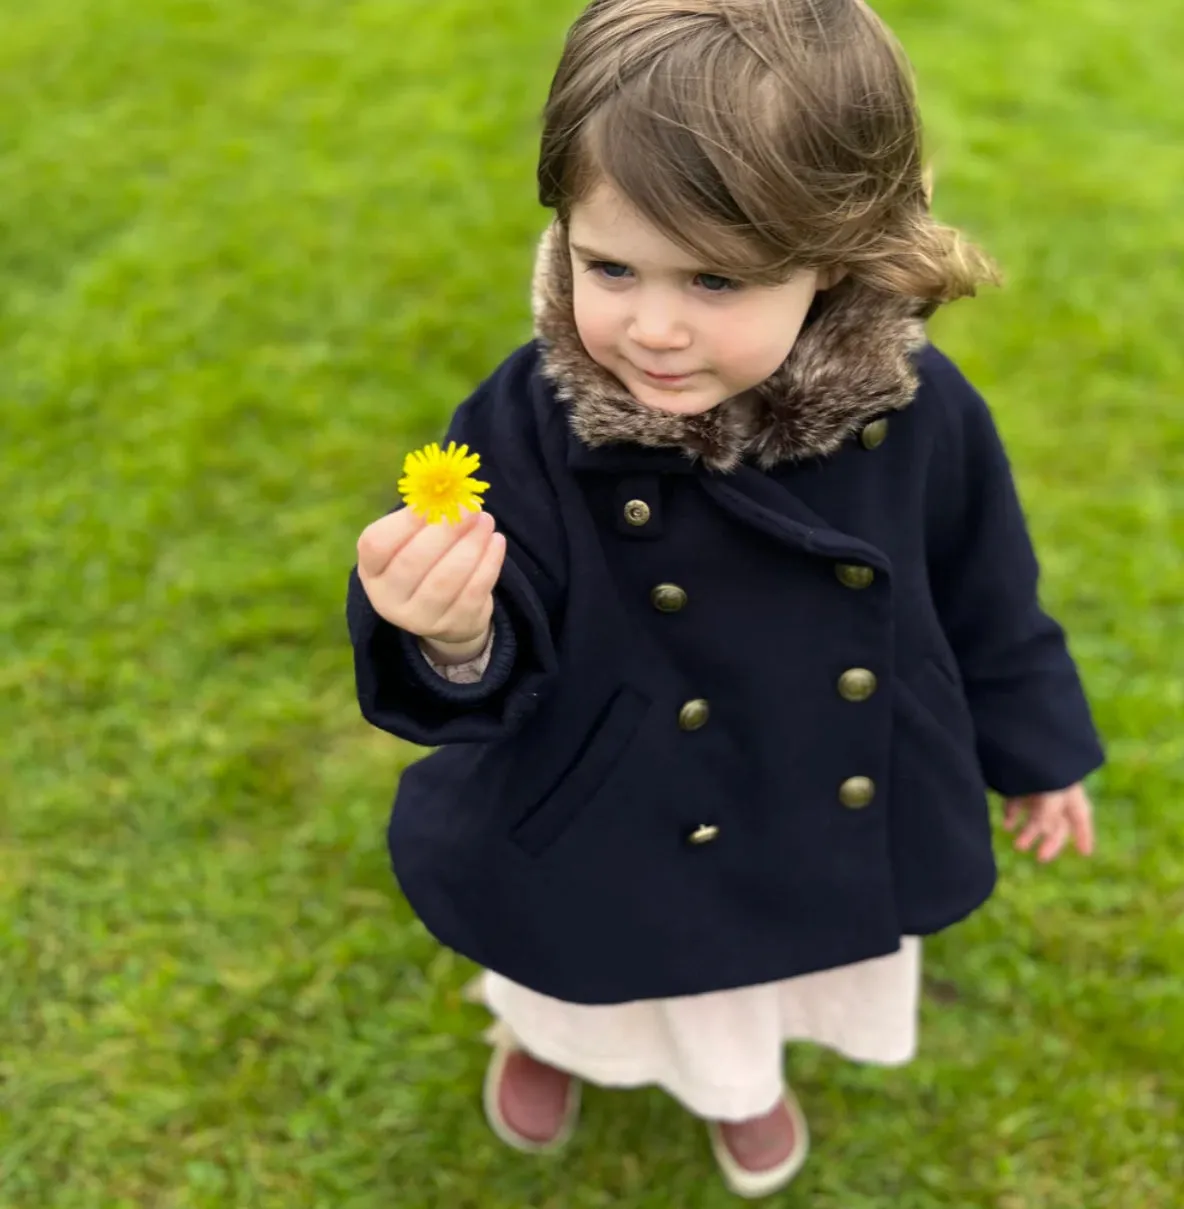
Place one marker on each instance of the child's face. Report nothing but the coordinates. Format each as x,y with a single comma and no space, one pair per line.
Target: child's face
679,338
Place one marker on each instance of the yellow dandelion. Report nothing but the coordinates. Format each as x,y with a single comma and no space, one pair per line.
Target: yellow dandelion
436,484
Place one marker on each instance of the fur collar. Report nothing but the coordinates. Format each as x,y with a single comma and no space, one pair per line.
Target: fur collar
851,363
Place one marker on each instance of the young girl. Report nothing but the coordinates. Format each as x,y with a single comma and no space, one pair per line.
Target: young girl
722,673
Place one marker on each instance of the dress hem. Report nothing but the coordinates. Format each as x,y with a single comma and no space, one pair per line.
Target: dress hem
707,1100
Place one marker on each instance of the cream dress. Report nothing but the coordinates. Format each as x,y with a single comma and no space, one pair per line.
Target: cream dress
720,1054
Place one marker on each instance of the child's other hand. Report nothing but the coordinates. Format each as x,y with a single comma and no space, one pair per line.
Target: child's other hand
433,580
1052,818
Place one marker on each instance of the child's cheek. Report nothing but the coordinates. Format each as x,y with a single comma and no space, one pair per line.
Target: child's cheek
595,324
757,346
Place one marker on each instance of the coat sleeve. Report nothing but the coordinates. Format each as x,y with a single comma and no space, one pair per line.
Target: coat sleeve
398,691
1034,728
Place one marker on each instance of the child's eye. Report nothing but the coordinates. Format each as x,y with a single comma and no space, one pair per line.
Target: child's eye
609,269
713,283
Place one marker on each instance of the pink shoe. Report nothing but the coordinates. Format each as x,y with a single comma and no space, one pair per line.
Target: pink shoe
761,1156
529,1105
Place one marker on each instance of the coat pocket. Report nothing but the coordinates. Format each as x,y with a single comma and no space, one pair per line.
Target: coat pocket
606,743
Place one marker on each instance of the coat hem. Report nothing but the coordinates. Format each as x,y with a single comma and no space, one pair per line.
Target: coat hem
583,994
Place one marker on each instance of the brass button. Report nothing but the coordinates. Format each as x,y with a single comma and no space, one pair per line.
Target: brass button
668,598
857,684
637,512
693,715
857,792
852,575
703,834
874,434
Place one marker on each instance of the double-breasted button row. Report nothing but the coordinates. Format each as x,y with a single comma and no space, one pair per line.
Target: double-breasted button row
671,598
855,684
858,683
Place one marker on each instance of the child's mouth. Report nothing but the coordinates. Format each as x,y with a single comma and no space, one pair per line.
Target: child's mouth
666,379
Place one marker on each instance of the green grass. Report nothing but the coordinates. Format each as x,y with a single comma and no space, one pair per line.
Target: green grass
252,252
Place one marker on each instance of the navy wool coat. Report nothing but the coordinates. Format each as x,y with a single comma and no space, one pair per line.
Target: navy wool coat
752,673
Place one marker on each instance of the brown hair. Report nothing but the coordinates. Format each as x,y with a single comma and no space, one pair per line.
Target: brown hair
760,135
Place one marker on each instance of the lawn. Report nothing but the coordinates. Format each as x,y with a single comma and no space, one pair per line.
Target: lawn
254,251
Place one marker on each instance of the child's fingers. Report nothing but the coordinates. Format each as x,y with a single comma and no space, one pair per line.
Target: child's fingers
439,589
1030,834
384,538
1034,828
1054,841
1081,823
1046,813
472,607
421,554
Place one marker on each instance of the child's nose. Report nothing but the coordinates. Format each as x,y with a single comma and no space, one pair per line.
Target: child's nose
658,327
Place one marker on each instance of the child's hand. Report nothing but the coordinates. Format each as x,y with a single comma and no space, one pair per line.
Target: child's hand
433,580
1055,817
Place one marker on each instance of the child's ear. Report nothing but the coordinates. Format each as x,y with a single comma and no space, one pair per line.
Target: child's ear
829,278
